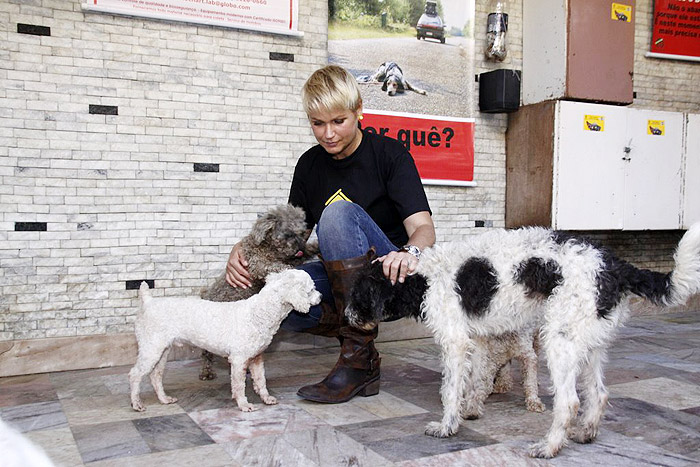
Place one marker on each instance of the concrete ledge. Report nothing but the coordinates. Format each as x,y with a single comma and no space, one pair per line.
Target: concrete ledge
31,356
79,353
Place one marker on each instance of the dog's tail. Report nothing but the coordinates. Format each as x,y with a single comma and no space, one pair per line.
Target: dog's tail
678,285
144,295
685,277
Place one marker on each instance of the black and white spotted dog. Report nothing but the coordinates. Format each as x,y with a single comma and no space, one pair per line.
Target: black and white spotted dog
392,79
509,280
490,357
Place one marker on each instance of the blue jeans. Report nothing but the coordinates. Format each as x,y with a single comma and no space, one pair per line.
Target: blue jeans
344,231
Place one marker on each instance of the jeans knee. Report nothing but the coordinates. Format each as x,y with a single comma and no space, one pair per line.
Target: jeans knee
336,212
335,219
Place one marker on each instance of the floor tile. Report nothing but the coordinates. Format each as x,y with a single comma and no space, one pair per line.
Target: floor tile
212,455
230,424
171,432
676,395
673,430
22,390
329,447
85,418
31,417
108,441
267,450
58,444
91,410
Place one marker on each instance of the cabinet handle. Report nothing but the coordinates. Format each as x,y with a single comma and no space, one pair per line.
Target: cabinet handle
627,151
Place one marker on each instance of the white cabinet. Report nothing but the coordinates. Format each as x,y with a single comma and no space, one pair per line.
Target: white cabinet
611,167
691,195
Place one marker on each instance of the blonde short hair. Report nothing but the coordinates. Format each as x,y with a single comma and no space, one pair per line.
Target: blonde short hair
330,88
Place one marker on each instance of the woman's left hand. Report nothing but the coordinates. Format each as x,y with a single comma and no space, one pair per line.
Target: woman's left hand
397,265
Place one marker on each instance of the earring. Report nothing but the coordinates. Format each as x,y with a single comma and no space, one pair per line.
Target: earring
360,117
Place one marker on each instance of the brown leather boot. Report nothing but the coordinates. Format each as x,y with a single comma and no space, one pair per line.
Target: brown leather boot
357,369
329,324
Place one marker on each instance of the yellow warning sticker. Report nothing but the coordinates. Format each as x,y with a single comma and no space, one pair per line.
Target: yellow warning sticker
621,12
593,123
337,196
656,127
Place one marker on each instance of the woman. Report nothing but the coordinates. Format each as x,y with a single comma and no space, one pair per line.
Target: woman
361,190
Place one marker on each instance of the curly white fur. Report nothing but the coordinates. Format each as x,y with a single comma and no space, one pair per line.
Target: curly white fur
240,330
575,334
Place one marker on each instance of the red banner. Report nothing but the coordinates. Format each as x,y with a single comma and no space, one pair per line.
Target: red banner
676,29
443,147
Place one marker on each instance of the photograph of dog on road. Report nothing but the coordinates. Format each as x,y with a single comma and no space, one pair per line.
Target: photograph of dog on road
390,75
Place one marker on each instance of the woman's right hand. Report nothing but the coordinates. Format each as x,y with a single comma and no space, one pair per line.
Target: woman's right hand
237,274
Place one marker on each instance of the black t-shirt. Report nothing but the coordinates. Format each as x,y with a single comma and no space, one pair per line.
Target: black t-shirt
380,176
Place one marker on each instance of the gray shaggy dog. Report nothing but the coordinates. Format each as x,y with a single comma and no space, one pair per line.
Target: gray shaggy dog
277,241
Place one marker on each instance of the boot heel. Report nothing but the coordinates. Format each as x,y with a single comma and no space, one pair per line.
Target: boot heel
372,389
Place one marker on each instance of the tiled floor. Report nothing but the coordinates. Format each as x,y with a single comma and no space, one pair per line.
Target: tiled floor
84,417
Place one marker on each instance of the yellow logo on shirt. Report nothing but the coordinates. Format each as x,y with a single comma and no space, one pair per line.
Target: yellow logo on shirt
337,196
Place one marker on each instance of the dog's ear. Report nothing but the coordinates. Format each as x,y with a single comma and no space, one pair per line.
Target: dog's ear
262,228
384,85
302,295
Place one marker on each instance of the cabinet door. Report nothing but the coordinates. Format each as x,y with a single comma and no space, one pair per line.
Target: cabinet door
588,188
600,58
691,196
653,170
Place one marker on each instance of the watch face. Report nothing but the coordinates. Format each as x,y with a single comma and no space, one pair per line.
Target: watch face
414,250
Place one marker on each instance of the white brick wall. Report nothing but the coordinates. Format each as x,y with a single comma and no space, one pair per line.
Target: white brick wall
119,194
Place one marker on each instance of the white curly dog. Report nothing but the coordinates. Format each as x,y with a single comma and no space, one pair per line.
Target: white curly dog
240,331
509,280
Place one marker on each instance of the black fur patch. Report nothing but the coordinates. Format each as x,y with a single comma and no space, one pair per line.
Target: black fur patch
477,283
539,277
373,298
618,277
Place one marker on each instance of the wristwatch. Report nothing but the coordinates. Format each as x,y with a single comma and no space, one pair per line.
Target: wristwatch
412,249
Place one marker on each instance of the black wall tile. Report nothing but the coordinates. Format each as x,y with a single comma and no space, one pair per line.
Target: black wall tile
30,227
34,30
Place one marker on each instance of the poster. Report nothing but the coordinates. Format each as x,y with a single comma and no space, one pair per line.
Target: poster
274,16
442,147
432,43
676,30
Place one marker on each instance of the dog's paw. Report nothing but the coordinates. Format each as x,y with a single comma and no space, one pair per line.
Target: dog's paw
168,400
535,405
248,407
138,406
207,375
471,409
542,450
582,434
437,430
269,400
502,387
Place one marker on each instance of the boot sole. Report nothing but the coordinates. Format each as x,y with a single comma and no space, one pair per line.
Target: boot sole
371,388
